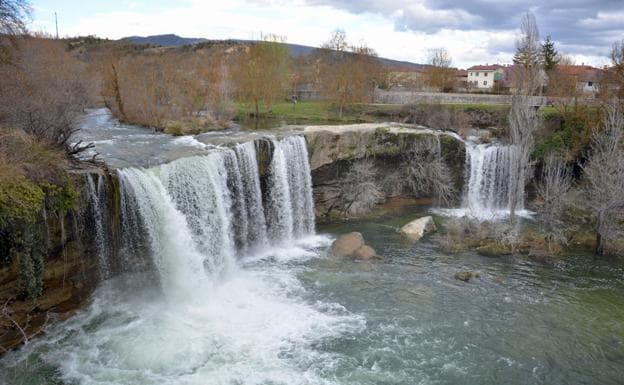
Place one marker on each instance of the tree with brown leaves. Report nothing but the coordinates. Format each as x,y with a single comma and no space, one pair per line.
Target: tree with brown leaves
262,73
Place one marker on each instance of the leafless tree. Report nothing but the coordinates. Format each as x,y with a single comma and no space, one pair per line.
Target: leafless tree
43,92
617,60
360,191
603,177
348,74
527,72
553,199
523,122
13,14
439,74
424,171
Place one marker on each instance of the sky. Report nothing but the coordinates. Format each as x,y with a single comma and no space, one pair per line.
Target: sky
472,31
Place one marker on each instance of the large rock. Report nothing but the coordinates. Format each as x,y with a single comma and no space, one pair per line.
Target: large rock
352,245
466,275
416,229
365,252
338,154
346,245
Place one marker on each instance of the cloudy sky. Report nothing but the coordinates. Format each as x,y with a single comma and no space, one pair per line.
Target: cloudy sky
473,31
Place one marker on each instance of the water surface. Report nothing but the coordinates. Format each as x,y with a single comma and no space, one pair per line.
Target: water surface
294,315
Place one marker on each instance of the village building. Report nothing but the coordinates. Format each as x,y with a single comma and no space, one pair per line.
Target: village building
484,77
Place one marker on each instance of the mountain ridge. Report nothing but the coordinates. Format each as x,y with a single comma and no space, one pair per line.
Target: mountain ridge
173,40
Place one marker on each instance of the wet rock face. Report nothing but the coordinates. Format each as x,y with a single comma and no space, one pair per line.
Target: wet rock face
69,273
417,228
373,156
352,245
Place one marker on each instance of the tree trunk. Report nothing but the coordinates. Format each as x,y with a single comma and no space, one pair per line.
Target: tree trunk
118,99
599,244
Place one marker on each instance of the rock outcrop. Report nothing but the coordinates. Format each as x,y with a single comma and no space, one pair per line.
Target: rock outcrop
357,168
352,245
417,228
69,266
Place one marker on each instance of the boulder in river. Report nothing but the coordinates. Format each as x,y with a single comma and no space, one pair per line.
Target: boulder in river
352,245
417,228
365,252
466,275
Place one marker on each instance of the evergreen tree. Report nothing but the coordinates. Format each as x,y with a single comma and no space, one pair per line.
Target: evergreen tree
550,56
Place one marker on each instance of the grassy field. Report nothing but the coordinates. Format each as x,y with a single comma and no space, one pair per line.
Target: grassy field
304,112
320,112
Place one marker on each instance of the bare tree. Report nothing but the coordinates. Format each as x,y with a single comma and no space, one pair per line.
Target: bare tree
617,60
348,74
553,196
44,91
439,73
359,191
603,177
13,14
425,172
263,72
523,119
523,122
527,71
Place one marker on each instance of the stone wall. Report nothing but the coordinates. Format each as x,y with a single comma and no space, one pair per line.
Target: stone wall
412,97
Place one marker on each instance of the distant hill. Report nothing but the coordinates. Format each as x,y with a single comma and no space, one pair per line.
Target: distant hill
172,40
169,40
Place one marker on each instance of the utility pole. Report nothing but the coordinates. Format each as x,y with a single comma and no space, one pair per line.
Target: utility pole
56,23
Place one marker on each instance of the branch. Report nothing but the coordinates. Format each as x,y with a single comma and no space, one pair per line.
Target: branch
13,321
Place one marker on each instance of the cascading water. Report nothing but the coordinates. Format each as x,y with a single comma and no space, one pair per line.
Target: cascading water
489,187
222,304
97,198
488,178
205,211
255,220
290,206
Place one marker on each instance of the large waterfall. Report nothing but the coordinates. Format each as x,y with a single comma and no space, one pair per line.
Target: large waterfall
201,213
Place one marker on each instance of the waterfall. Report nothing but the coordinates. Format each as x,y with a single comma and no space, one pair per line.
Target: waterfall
255,220
290,211
488,179
97,200
200,214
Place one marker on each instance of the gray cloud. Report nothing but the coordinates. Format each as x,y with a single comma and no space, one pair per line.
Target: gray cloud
587,27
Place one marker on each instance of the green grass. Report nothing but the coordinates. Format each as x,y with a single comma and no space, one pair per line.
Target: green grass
318,112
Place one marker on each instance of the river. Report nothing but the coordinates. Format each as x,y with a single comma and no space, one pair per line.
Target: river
241,290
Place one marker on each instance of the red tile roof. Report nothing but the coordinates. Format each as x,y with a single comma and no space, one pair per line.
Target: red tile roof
582,72
486,67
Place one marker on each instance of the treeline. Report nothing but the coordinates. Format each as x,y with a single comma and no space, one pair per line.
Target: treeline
43,92
196,88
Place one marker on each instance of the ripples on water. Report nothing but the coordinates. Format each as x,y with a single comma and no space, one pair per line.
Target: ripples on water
294,316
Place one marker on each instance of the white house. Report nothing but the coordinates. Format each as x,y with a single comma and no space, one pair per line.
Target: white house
484,77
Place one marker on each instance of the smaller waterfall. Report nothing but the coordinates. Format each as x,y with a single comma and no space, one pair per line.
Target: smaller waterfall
487,190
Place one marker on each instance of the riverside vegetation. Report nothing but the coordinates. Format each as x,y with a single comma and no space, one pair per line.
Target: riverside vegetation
570,156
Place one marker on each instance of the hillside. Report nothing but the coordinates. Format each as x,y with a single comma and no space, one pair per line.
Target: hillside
172,40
